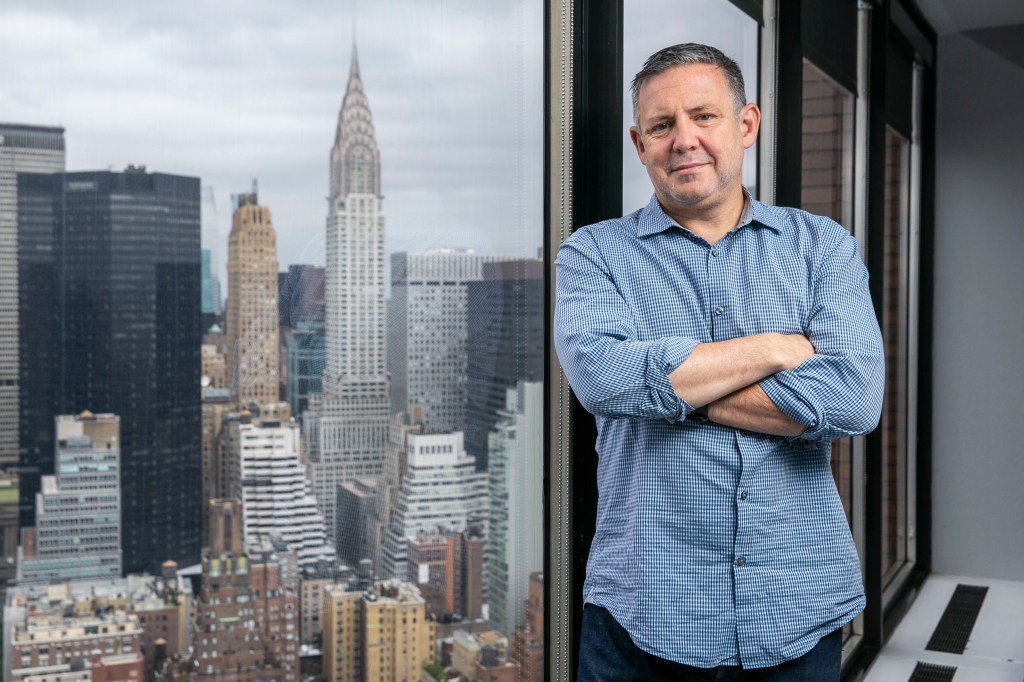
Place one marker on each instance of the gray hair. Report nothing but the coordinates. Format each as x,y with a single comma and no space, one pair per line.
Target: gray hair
688,54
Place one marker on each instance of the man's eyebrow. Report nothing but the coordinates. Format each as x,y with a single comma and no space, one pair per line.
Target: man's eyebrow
703,109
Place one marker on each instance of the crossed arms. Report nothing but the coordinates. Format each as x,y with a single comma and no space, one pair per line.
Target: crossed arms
723,375
824,384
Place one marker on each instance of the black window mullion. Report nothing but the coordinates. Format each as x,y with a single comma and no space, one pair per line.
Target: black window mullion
789,108
873,490
596,195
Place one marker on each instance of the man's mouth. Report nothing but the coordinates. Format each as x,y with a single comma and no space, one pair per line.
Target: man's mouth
691,167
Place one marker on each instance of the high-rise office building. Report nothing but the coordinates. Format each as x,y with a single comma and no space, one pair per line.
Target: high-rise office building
301,315
23,149
505,345
354,508
515,472
210,258
275,491
301,295
380,634
252,344
441,490
109,322
78,512
347,430
427,332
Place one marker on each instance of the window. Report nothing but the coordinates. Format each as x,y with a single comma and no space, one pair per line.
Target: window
895,321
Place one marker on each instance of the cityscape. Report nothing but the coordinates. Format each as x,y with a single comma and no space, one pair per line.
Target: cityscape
220,465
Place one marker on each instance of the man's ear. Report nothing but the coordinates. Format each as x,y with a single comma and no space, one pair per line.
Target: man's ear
750,123
638,143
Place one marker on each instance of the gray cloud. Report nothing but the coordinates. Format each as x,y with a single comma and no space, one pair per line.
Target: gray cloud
229,91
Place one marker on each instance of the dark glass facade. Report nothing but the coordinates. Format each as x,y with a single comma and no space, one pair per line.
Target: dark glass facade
505,343
301,317
111,323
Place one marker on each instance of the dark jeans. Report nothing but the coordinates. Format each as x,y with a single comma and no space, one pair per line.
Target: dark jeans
608,654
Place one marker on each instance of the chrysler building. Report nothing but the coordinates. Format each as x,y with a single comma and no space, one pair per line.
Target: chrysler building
346,433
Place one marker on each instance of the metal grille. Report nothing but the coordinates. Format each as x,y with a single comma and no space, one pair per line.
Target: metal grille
929,672
957,622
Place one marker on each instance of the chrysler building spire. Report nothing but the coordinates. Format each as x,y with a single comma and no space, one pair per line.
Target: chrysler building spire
346,428
355,158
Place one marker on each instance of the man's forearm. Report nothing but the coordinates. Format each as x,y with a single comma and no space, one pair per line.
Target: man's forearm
751,409
718,369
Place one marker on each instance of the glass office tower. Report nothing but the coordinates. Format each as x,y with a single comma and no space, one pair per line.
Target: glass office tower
110,323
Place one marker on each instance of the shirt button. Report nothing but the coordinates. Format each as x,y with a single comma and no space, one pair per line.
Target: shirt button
714,252
740,561
743,495
719,310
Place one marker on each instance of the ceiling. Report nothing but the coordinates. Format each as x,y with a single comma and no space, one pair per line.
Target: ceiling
952,16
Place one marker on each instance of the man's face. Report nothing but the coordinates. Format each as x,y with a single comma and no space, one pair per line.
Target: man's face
691,140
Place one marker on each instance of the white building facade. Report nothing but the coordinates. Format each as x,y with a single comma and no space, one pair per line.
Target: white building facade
273,486
23,149
516,497
78,511
346,429
428,335
441,490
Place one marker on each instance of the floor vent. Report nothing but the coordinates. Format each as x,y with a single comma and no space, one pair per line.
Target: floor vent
929,672
957,622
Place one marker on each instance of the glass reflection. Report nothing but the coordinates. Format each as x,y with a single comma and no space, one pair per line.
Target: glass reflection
894,333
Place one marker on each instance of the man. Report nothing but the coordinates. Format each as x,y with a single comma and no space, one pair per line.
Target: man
722,344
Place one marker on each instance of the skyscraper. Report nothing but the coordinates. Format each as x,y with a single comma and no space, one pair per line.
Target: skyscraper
211,262
301,315
515,489
505,345
427,332
252,342
346,433
110,323
23,149
275,491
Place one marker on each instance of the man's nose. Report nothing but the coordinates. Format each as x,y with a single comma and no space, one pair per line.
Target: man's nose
685,137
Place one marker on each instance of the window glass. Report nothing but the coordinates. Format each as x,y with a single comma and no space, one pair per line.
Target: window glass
372,363
827,147
894,324
654,24
827,189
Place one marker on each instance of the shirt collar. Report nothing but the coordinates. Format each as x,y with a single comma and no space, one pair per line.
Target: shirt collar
652,219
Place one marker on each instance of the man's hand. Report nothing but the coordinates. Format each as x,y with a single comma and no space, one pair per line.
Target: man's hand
714,370
792,350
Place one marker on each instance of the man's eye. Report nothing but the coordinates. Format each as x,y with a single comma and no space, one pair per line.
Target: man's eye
705,117
659,128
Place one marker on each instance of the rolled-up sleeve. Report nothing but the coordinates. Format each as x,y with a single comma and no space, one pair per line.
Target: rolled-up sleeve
838,391
611,372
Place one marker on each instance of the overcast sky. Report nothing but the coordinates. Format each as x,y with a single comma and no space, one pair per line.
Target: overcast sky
230,91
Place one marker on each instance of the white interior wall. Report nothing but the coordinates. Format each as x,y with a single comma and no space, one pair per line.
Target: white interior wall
978,420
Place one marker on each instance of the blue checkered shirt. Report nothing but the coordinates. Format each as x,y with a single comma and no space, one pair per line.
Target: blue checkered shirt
715,545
